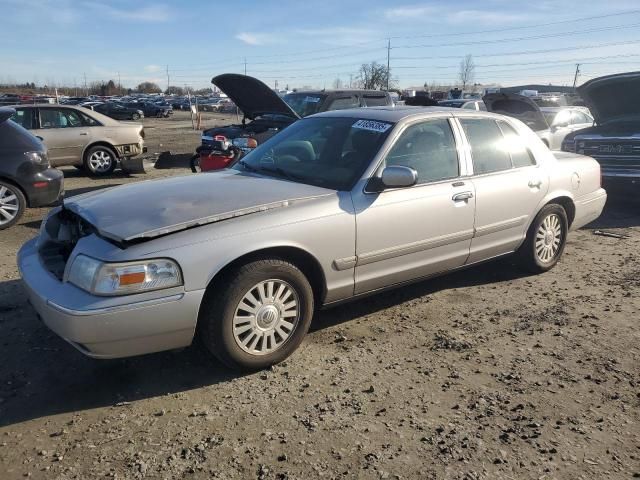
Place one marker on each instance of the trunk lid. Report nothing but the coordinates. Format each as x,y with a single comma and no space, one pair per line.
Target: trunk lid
613,97
517,106
149,209
252,96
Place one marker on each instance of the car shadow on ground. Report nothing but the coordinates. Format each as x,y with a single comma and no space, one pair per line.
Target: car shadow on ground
41,375
619,212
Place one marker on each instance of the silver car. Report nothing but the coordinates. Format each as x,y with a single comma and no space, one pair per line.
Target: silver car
339,205
564,120
81,137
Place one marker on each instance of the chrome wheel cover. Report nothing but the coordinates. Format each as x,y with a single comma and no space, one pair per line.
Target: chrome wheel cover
548,238
9,205
100,161
266,317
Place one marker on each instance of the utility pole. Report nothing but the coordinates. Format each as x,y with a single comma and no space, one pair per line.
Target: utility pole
575,77
388,61
245,65
86,90
119,85
350,80
167,77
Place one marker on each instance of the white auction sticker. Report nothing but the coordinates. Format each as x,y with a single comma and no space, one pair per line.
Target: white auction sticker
372,125
311,99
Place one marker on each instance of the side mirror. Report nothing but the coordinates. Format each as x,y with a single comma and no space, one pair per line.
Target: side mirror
397,176
558,126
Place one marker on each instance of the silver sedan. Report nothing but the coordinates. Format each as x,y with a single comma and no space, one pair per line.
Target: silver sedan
337,206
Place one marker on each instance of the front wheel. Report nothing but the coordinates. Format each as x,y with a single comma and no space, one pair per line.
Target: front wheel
258,315
12,204
135,116
546,239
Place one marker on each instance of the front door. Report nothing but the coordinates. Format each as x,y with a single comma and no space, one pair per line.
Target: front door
509,186
409,233
64,133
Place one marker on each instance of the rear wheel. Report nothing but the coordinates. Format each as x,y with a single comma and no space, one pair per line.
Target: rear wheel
259,316
545,240
12,204
135,116
100,161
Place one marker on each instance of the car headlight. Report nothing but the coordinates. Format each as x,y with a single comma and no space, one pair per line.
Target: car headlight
107,279
39,158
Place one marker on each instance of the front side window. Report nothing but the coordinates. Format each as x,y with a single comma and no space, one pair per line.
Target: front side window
429,148
59,118
344,103
516,147
326,152
375,101
305,104
24,117
487,145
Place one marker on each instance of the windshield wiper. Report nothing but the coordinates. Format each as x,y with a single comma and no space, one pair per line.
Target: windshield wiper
281,172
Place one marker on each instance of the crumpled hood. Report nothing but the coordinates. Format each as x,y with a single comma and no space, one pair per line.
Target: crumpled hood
613,97
517,106
153,208
252,96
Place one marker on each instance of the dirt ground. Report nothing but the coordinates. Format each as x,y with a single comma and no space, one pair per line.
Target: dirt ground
484,374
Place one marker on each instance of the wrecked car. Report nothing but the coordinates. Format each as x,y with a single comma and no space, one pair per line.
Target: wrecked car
340,205
265,113
614,141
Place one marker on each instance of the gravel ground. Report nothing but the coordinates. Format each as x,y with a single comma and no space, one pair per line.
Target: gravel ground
484,374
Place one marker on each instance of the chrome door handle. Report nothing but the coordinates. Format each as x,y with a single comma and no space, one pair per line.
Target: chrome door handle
535,183
459,197
84,133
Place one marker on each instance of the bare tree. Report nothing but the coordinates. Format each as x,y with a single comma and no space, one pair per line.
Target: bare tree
373,76
467,71
337,83
149,87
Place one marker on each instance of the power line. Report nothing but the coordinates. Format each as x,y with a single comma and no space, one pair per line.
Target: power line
519,39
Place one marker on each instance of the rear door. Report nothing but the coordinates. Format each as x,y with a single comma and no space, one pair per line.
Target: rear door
408,233
508,184
64,133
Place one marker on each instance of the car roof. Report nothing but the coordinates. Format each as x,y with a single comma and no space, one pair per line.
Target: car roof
399,113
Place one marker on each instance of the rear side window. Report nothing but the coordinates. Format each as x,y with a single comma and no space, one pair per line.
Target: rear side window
59,118
375,101
24,117
515,145
487,145
343,103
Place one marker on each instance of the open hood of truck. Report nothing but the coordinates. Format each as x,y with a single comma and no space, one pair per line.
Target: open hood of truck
517,106
252,96
145,210
613,97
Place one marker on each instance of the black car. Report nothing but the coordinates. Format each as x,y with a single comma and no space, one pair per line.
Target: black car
150,109
26,178
118,111
265,113
614,141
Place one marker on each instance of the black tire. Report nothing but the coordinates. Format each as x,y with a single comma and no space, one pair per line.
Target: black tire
215,323
529,252
135,116
12,204
79,167
103,152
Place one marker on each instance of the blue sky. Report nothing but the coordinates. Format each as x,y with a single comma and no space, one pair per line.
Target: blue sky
315,42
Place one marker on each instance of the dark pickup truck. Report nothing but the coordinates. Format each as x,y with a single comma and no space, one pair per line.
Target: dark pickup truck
614,140
265,113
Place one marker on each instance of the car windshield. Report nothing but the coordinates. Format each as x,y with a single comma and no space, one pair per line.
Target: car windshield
326,152
305,104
